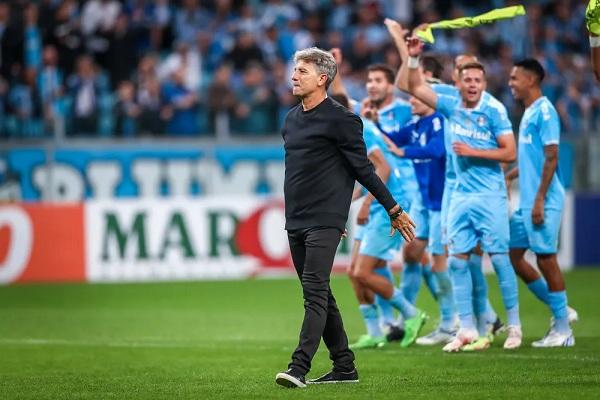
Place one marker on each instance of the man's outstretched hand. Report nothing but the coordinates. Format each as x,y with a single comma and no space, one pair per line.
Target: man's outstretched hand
402,223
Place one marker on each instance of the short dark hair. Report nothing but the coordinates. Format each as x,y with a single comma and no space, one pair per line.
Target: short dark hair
433,65
471,65
532,65
386,69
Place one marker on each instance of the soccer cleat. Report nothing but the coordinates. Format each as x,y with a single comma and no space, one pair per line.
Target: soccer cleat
497,327
462,338
555,339
483,343
335,377
368,342
439,336
514,339
412,327
290,379
394,334
592,17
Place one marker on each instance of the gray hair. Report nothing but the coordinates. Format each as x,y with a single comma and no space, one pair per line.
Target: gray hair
322,60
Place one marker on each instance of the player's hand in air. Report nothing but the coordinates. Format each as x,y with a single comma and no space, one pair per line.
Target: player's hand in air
396,30
592,17
402,223
415,46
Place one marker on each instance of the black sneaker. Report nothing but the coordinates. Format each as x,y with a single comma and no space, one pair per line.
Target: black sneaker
336,377
290,379
395,334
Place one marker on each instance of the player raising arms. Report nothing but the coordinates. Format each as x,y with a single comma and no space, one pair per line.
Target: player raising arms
482,139
536,223
592,21
488,322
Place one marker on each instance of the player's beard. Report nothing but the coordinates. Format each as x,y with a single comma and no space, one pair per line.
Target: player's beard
377,102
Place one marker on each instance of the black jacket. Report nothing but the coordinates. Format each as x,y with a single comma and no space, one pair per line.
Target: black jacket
324,154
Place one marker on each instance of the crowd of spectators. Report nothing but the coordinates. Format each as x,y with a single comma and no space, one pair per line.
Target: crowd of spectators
128,68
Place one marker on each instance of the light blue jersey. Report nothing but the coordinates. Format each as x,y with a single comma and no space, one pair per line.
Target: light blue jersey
374,141
375,242
479,127
392,118
540,126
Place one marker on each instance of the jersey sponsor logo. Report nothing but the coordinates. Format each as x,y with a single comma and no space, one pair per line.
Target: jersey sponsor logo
470,133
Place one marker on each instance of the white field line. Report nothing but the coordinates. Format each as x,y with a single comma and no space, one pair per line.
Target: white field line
248,343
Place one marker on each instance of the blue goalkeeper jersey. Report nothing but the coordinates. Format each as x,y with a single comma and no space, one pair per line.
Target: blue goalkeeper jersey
540,126
423,142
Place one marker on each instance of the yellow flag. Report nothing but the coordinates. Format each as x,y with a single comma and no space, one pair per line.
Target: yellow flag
469,22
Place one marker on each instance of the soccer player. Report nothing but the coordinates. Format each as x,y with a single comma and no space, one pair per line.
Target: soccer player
423,143
393,114
376,248
388,112
324,155
592,21
482,138
536,223
488,322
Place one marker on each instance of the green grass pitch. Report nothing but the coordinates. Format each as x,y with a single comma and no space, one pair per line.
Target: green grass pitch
226,340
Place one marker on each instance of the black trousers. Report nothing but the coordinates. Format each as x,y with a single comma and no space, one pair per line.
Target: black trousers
313,251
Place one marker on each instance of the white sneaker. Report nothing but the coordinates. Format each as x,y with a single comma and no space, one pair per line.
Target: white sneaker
555,339
463,337
514,339
439,336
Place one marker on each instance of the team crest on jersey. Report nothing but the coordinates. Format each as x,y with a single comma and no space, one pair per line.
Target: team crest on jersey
481,121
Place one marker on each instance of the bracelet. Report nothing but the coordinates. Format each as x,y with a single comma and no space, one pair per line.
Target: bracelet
396,214
413,62
594,41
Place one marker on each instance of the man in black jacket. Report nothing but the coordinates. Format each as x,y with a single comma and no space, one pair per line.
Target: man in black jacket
324,155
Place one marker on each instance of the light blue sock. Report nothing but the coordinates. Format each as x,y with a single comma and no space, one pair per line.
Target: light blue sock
480,288
463,291
558,305
387,310
411,281
445,299
430,281
539,288
370,315
508,287
402,304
